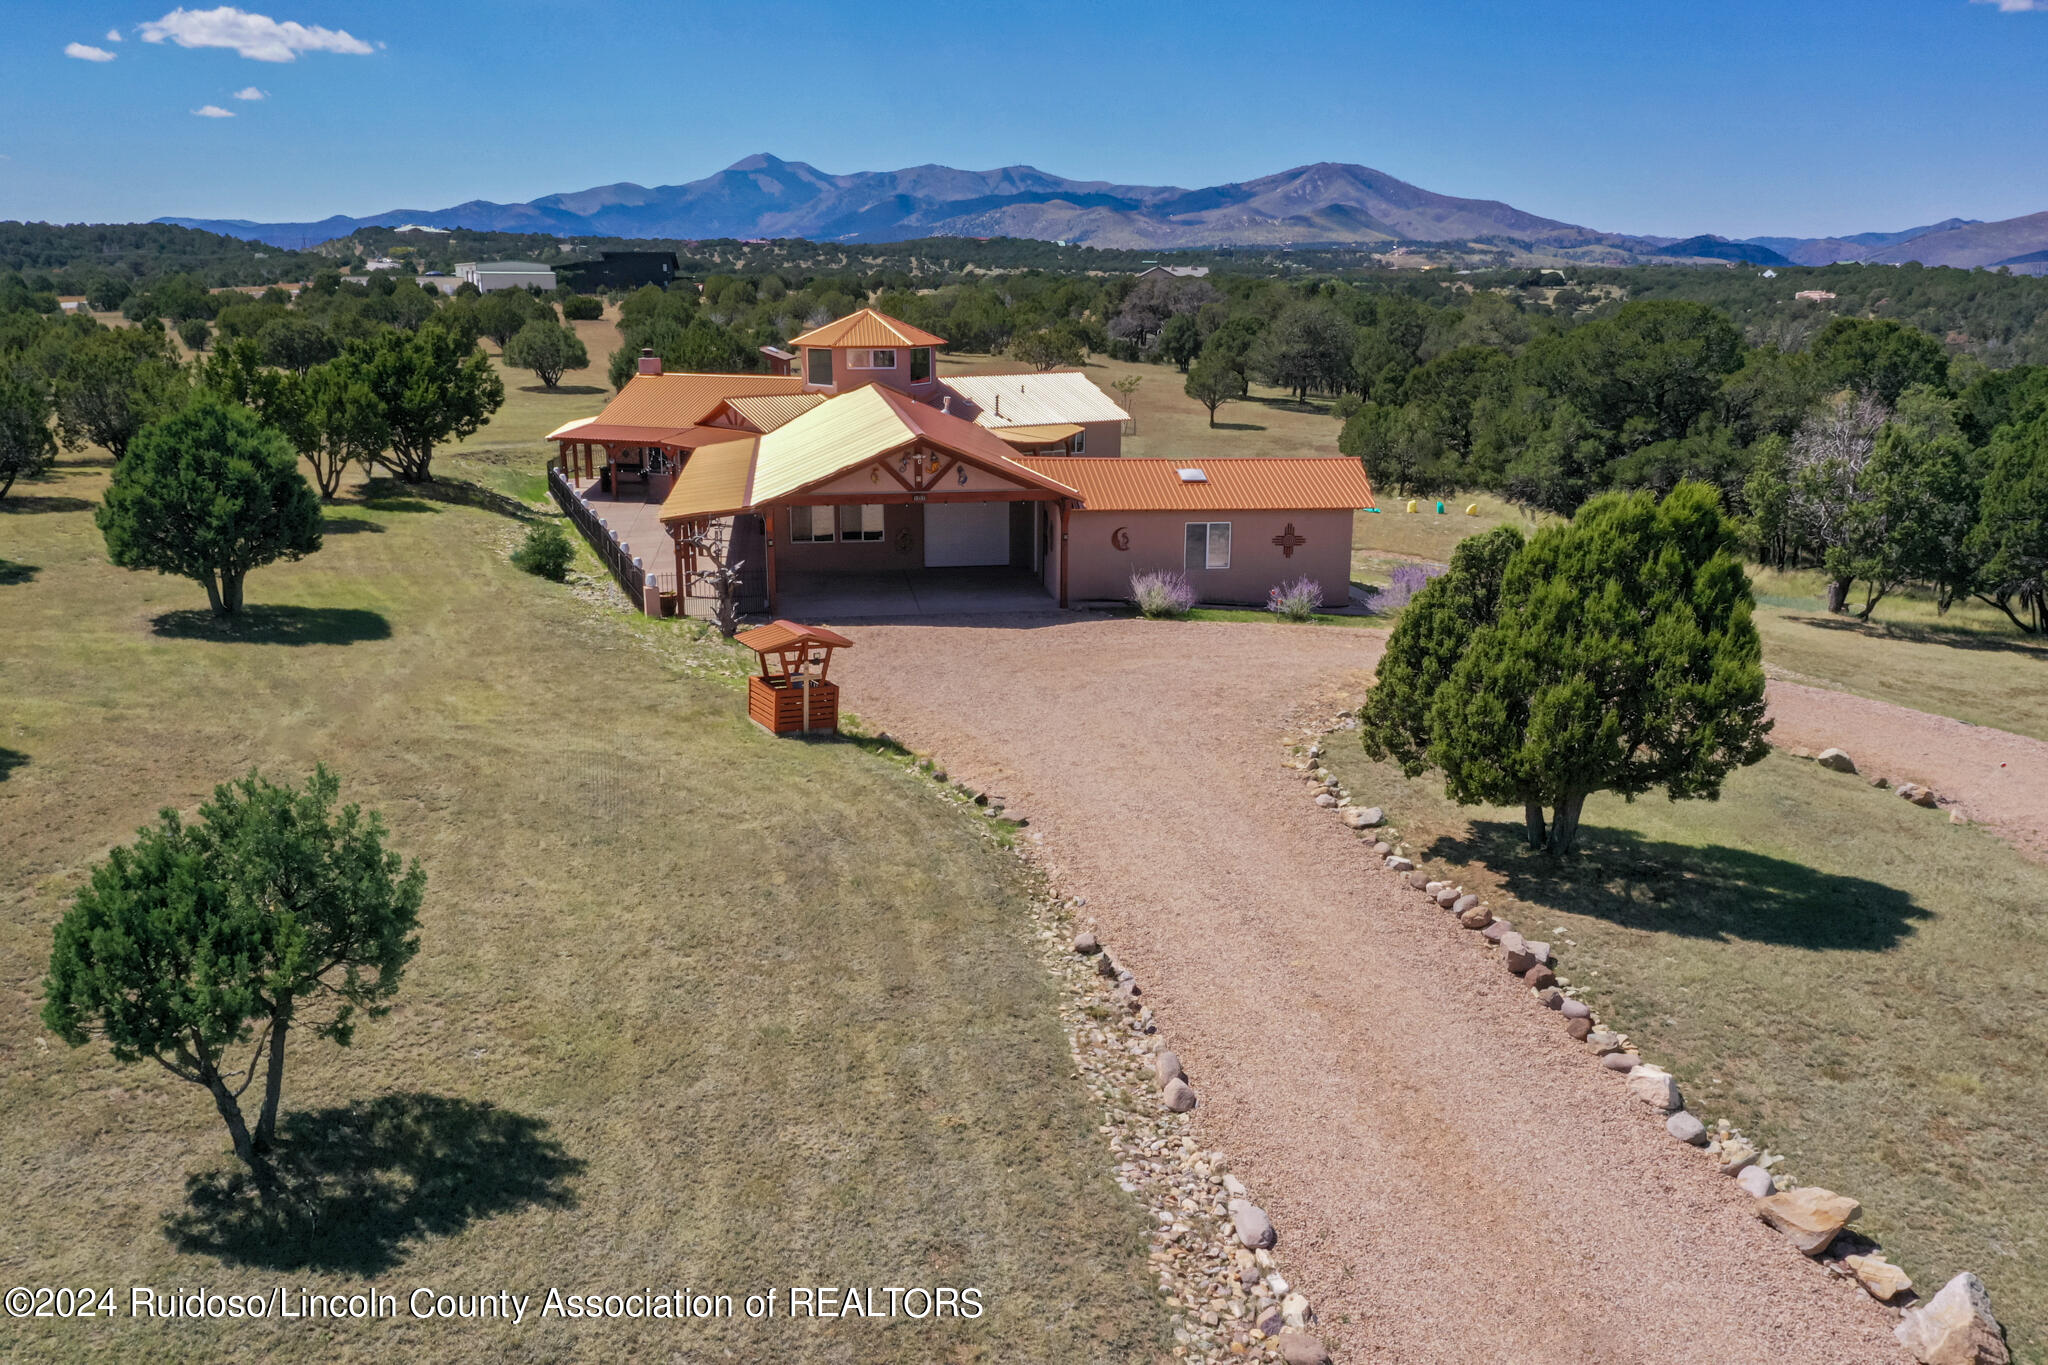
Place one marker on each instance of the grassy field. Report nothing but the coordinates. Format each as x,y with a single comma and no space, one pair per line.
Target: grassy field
1970,664
694,1007
1851,979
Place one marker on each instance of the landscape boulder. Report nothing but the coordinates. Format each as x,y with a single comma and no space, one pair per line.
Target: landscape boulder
1086,943
1299,1348
1447,898
1325,800
1836,761
1880,1279
1686,1127
1809,1216
1419,880
1604,1040
1498,931
1756,1182
1179,1096
1464,903
1550,999
1477,917
1578,1028
1295,1310
1656,1087
1955,1327
1167,1067
1624,1062
1917,794
1541,977
1254,1229
1576,1009
1397,863
1365,817
1736,1153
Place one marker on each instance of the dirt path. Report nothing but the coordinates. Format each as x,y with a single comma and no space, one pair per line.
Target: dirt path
1996,778
1452,1178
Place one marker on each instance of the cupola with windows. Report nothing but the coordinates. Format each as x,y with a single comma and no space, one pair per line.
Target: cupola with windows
868,348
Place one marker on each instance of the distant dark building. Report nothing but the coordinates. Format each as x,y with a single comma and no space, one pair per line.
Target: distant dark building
622,270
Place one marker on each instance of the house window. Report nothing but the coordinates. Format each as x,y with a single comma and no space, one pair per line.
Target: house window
920,364
871,360
860,521
1077,444
818,364
810,524
1208,545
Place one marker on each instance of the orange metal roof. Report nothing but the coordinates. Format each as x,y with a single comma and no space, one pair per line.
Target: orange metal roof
1241,484
867,328
615,433
772,410
684,400
788,634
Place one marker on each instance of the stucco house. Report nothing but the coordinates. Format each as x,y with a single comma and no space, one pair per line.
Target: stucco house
865,466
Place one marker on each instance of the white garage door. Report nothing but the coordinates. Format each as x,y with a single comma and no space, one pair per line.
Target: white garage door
962,533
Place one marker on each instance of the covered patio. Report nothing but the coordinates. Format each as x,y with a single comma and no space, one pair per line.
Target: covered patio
905,593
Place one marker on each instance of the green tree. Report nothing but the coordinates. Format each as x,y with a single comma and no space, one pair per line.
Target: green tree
1879,356
296,343
273,912
431,387
1046,348
1307,349
2010,540
1433,633
209,493
1919,505
546,551
26,443
1180,340
1397,445
1622,657
195,334
110,382
1210,385
547,348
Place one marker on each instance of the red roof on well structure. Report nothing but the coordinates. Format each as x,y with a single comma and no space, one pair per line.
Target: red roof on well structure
1238,484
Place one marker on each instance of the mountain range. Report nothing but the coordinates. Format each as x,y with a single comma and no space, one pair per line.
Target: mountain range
1328,203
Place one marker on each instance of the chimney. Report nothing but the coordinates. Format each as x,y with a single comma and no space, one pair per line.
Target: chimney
999,405
946,405
650,363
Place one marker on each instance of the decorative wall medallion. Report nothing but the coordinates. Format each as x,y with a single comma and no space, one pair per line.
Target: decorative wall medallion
1121,538
874,473
1288,541
903,540
963,476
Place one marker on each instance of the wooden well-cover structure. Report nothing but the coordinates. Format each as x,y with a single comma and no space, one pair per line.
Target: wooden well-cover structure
792,695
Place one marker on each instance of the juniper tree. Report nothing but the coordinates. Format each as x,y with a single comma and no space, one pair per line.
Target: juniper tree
1621,658
209,493
273,912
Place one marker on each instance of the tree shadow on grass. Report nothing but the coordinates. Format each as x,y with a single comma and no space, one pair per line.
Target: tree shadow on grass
12,573
1236,426
382,495
566,389
1712,892
276,626
349,526
10,759
358,1184
1955,637
25,503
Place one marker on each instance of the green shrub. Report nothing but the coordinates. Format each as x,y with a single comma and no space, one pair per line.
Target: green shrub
582,308
545,551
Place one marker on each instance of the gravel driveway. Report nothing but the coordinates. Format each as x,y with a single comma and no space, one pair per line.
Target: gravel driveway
1453,1179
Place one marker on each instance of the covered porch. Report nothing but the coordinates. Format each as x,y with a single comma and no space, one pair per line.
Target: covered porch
900,593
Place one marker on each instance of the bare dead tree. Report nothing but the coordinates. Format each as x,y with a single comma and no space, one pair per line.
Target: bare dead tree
1827,458
722,577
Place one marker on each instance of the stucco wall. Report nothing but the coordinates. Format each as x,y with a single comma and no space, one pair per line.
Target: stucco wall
856,556
1097,569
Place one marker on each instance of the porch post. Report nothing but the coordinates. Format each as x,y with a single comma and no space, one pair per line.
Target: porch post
768,537
1063,552
675,535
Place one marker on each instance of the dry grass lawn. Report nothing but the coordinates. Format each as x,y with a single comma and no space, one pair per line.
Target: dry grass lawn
694,1007
1851,979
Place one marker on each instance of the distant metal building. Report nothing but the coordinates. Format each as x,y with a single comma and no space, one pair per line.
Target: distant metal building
489,275
620,270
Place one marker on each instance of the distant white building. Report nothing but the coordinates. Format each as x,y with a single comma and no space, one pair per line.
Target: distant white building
489,275
1814,295
1770,274
1173,272
382,263
420,227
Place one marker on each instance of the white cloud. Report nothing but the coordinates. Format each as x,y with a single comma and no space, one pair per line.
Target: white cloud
258,37
213,111
2015,6
250,92
113,35
87,54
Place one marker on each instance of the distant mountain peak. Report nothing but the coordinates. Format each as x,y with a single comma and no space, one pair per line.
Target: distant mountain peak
1332,203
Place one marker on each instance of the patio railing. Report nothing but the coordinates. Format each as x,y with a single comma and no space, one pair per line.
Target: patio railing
631,573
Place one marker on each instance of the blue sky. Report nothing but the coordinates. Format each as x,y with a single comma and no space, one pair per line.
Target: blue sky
1739,118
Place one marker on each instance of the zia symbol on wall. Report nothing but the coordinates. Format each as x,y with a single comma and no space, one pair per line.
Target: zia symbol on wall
1288,541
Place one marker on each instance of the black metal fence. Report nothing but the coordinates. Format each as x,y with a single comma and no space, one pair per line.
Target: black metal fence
631,580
